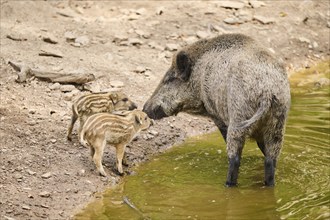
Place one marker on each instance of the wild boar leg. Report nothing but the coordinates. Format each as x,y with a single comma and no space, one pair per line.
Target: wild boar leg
120,154
222,128
99,145
235,145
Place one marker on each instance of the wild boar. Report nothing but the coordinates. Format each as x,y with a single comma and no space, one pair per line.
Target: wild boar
239,85
114,129
90,104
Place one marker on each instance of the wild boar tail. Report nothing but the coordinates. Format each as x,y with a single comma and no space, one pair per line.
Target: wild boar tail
247,124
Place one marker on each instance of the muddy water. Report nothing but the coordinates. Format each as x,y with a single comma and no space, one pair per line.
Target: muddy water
187,181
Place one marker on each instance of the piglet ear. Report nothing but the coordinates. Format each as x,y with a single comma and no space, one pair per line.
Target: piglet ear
183,63
138,120
114,97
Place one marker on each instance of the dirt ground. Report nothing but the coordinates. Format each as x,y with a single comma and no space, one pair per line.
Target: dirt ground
128,46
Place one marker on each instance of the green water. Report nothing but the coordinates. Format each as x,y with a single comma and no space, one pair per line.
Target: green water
187,182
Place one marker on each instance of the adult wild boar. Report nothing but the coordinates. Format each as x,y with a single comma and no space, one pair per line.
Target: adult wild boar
239,85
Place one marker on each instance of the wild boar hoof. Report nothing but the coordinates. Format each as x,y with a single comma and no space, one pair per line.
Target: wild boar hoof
230,184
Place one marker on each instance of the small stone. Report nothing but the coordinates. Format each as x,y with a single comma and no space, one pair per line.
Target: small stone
82,40
81,172
256,4
44,206
109,56
304,40
7,217
25,207
134,41
44,194
202,34
53,141
32,111
172,47
244,15
315,44
116,84
141,11
49,38
190,39
68,96
55,86
67,88
231,4
153,132
32,122
18,176
140,69
264,20
69,36
142,34
53,52
133,17
30,172
160,10
46,175
233,20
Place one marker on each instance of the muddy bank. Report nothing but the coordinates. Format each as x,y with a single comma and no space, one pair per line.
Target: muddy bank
127,46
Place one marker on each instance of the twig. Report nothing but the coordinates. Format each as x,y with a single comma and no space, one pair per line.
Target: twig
25,71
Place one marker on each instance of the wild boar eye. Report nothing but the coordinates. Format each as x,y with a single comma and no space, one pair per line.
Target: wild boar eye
125,99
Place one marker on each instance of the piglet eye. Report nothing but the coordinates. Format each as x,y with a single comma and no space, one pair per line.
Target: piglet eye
125,99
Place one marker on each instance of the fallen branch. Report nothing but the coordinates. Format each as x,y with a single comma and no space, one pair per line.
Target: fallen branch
25,71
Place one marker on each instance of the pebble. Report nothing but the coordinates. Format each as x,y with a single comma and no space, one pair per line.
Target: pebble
116,84
231,4
140,69
48,51
30,172
55,86
160,10
244,15
256,4
82,40
140,11
67,88
190,39
49,38
153,132
68,96
202,34
46,175
25,207
44,194
69,36
32,111
53,141
304,40
32,122
264,20
134,41
81,172
232,20
171,47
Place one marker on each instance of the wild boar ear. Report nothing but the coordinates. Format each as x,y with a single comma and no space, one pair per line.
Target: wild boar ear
114,98
183,63
138,119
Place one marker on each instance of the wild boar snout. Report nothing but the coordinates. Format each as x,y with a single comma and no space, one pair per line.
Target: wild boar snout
154,112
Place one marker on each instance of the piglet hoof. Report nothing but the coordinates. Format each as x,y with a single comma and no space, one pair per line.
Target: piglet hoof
102,173
118,173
